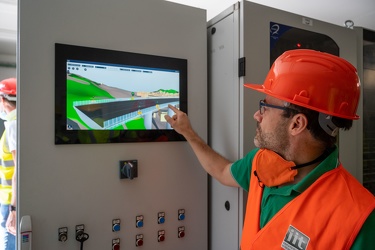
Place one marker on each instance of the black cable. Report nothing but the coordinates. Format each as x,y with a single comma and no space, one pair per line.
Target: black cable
326,152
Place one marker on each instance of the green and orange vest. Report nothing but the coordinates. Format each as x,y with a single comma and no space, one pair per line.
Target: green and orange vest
327,215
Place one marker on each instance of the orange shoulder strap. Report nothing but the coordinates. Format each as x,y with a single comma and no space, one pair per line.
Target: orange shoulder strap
252,219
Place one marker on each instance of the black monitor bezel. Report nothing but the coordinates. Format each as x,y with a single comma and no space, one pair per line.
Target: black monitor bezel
64,52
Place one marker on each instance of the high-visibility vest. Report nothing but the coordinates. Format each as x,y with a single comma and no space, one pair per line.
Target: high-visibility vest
6,171
327,215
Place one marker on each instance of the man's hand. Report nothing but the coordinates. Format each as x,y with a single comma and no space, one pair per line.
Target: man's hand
214,164
179,122
11,223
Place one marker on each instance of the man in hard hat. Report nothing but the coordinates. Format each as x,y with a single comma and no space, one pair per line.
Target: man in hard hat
300,196
8,93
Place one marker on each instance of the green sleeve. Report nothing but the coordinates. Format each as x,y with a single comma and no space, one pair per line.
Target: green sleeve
366,236
241,170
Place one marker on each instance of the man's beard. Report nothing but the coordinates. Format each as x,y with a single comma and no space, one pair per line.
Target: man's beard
275,141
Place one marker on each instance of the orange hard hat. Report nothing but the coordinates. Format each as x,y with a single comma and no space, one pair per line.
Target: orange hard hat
314,80
8,88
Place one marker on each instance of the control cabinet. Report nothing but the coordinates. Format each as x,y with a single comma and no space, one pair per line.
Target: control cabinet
135,195
243,42
366,70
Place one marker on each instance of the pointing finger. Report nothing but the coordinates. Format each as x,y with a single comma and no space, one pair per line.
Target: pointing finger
173,108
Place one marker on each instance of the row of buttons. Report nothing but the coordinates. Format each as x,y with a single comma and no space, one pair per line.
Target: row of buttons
139,238
139,223
116,227
116,223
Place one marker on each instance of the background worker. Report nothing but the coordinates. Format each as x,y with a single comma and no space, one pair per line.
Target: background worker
8,92
300,196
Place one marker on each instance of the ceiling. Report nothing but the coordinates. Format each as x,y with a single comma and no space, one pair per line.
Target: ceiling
361,12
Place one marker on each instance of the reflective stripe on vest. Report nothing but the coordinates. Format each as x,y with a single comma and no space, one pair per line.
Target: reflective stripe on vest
6,171
316,219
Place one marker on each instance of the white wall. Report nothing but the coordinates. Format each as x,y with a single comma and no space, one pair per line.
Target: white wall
67,185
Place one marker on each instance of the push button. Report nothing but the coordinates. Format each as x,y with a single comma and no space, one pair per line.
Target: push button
116,225
161,218
139,240
161,235
139,221
181,214
181,232
161,238
116,244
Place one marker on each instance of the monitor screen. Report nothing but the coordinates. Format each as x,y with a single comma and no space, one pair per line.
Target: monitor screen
105,96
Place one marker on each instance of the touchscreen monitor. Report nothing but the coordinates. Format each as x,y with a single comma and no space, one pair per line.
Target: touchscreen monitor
105,96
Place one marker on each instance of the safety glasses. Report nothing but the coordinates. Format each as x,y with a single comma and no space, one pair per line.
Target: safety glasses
262,106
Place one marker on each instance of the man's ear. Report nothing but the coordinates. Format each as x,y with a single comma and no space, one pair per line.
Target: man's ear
298,124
